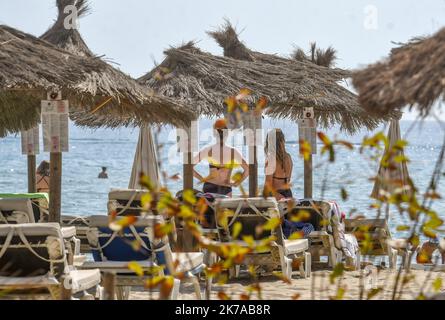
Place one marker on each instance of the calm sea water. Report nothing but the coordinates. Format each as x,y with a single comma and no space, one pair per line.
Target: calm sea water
84,194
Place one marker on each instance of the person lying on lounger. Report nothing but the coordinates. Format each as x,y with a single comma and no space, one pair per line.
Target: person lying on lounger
279,165
425,254
223,159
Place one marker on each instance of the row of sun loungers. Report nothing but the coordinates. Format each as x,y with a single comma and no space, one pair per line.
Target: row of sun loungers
111,252
34,262
54,254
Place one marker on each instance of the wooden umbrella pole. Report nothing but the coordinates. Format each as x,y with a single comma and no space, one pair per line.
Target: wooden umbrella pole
187,237
65,291
55,187
188,172
308,178
109,285
253,171
188,165
32,174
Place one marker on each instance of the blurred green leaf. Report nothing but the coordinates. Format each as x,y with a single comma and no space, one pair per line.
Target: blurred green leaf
337,272
237,227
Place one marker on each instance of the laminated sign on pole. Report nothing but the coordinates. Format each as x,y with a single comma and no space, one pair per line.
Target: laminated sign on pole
55,124
307,132
253,124
55,138
30,147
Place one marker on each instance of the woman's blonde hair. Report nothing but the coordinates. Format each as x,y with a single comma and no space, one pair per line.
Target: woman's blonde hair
276,145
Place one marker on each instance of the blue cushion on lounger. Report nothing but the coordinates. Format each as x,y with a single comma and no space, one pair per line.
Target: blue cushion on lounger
121,249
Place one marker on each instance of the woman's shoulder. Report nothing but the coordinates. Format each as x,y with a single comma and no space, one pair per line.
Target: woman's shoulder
206,151
288,161
288,157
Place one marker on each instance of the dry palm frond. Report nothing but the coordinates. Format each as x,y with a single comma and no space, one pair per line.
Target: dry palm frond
320,57
299,55
413,75
68,39
227,37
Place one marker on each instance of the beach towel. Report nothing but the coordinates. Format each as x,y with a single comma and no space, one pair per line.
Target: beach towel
347,243
289,227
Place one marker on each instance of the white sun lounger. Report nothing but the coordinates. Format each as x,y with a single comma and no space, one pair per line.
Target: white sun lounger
113,252
16,211
329,237
20,211
23,208
34,263
253,212
125,201
120,201
382,243
81,225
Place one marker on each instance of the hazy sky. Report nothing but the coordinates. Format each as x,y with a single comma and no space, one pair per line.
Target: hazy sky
134,33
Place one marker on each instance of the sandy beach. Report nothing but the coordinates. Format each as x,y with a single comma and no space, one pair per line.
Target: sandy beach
273,289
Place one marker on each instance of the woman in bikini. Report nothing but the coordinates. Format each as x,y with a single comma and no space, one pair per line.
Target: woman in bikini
42,177
278,177
223,160
279,165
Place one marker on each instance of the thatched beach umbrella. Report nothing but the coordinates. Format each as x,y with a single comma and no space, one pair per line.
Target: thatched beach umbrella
154,109
317,87
123,101
203,81
413,75
29,68
131,103
392,177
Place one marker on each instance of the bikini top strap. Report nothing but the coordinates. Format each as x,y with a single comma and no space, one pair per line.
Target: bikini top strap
42,178
220,163
286,178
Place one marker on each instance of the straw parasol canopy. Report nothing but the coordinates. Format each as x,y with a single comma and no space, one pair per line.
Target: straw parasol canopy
184,77
393,177
203,81
29,67
131,103
413,75
317,85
